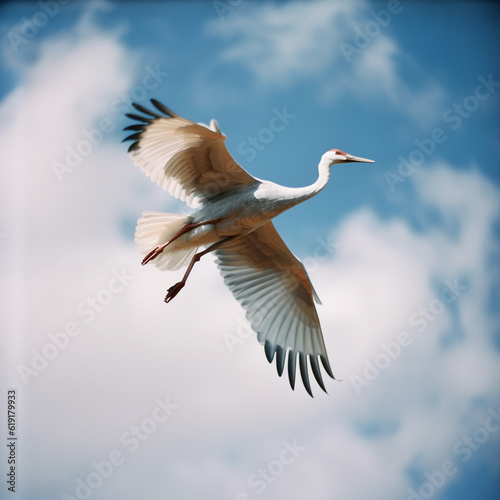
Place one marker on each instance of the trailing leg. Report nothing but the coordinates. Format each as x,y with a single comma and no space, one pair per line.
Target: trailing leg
175,289
159,249
155,228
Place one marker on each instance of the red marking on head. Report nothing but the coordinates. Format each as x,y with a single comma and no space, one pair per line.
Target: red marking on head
338,152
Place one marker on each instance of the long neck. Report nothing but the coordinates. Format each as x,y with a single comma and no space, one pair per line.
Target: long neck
304,193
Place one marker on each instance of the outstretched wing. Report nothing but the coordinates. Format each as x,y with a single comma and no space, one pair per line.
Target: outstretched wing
188,160
273,287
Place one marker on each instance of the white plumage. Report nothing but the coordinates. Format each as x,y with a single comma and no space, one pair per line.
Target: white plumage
190,161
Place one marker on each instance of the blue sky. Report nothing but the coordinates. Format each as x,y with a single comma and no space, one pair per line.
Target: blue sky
122,396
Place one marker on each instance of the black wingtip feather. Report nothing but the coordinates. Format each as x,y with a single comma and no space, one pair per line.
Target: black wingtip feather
317,372
146,111
160,107
268,349
132,116
326,365
139,128
133,137
304,374
133,147
280,359
292,355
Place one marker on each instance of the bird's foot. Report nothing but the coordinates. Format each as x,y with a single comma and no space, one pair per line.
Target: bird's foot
173,291
153,254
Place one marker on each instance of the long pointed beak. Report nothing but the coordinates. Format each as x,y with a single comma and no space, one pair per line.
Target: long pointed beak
358,159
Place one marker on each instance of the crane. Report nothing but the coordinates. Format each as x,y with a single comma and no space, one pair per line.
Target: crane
233,219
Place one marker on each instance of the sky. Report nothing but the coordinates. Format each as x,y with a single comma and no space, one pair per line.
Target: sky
115,394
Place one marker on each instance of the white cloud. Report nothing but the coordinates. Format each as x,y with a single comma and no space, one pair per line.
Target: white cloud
64,95
377,71
332,44
228,424
384,273
281,42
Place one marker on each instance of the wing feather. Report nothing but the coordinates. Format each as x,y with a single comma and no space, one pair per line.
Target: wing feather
188,160
273,287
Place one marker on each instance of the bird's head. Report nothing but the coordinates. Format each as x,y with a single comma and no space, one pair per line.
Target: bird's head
334,156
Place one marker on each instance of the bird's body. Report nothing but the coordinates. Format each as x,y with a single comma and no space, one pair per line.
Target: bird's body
233,220
246,209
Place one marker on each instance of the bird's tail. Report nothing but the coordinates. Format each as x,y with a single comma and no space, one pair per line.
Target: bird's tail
157,228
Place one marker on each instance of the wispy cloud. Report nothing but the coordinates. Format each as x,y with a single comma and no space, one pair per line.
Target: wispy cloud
330,44
431,286
283,43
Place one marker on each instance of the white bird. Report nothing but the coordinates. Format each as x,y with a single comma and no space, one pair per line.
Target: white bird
234,220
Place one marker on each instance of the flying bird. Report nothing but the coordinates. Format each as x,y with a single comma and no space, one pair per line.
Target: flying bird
233,219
